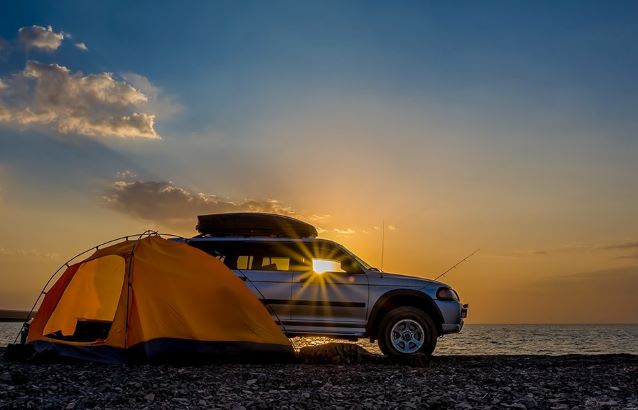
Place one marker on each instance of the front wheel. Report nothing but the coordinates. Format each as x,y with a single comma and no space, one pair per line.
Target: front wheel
405,331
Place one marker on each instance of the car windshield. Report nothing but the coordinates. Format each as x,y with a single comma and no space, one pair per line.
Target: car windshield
360,261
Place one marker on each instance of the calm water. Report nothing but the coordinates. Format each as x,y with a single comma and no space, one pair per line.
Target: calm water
496,339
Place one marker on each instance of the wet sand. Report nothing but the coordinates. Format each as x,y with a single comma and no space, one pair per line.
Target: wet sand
484,382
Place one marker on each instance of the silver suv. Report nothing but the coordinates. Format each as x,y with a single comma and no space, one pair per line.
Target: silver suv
317,287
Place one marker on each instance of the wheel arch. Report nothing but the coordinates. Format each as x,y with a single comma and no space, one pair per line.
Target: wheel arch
398,298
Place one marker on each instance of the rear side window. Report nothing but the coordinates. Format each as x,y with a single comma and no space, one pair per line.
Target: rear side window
262,256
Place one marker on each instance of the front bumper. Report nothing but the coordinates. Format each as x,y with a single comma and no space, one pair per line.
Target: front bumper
454,314
452,328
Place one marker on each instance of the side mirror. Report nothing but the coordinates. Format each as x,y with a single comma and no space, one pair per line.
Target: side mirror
350,267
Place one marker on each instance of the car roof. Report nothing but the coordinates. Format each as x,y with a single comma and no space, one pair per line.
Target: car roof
257,239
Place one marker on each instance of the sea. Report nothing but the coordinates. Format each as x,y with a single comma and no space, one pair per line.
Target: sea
479,339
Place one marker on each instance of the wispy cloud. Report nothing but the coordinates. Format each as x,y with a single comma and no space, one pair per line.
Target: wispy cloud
633,245
81,46
162,105
613,246
28,253
346,231
51,96
43,38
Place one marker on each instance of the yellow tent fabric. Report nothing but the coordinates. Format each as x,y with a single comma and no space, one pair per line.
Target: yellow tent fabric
152,299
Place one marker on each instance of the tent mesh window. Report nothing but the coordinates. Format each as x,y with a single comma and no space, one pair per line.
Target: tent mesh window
88,305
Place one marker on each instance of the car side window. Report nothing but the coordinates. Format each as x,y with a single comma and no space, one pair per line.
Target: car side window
268,256
327,257
280,256
257,255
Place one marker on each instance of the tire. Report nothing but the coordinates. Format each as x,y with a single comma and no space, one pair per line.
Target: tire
413,331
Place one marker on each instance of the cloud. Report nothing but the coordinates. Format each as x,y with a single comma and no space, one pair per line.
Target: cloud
159,103
43,38
168,204
125,175
81,46
632,245
28,253
614,246
50,96
347,231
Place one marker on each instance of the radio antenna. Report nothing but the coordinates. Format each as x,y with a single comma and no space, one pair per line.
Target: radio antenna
458,263
382,241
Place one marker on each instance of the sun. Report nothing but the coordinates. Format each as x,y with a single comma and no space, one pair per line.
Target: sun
324,265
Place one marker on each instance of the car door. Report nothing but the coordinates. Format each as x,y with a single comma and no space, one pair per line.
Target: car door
267,269
331,295
264,266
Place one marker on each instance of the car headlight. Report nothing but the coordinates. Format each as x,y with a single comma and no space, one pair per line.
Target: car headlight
446,294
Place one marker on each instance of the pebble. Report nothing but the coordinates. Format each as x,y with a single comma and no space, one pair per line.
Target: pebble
516,382
529,403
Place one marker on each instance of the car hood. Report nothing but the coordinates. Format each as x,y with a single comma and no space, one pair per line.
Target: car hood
395,279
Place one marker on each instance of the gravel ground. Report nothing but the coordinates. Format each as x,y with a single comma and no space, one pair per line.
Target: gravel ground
485,382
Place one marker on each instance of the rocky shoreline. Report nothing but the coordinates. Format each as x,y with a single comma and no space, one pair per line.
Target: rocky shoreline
367,381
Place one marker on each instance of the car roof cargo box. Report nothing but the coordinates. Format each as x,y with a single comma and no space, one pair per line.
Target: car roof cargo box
254,224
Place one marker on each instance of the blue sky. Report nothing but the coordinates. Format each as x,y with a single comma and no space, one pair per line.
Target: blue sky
506,125
226,59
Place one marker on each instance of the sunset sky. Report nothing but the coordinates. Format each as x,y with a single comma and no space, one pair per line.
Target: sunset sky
506,126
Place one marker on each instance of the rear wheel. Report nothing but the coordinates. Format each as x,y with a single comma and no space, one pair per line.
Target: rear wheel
407,330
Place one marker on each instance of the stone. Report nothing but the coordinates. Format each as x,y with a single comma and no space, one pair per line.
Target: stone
450,381
6,378
335,353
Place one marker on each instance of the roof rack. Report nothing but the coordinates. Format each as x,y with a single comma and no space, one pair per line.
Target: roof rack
254,224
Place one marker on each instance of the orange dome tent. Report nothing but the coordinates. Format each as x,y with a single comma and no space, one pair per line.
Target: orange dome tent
152,299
